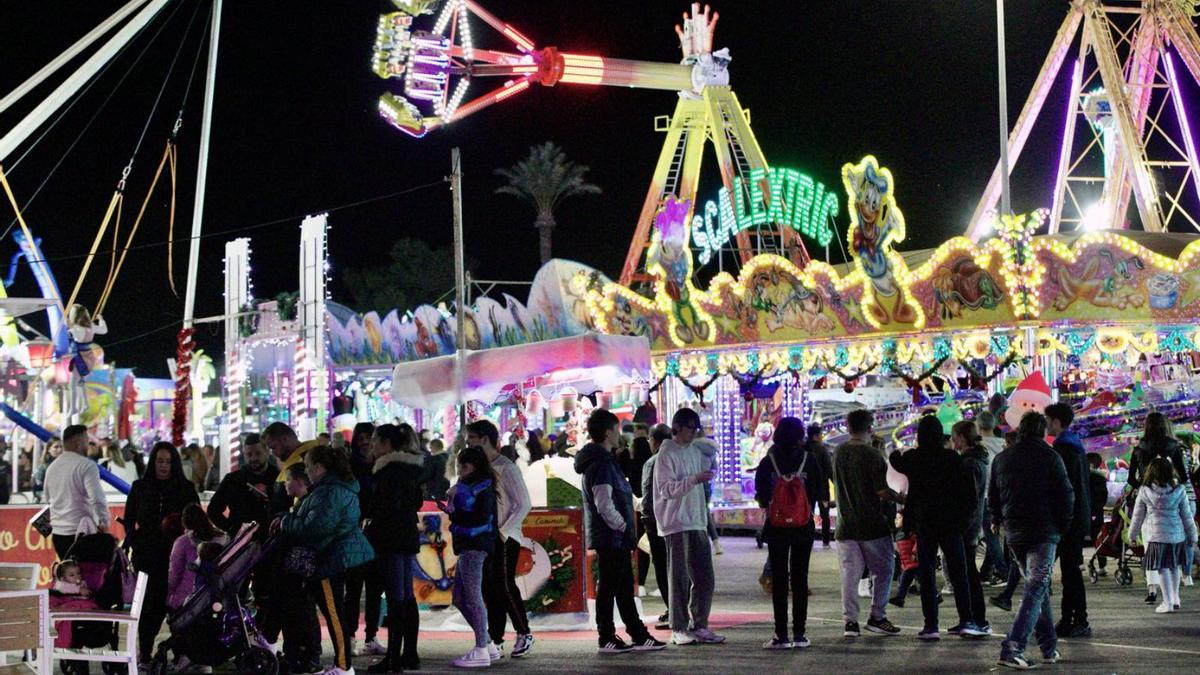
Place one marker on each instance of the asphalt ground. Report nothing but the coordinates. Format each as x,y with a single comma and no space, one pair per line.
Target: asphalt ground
1128,635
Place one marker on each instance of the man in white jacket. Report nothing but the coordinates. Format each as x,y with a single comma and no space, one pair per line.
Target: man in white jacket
500,591
681,512
74,491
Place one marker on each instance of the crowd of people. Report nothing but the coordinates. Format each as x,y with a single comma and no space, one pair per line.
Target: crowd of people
346,518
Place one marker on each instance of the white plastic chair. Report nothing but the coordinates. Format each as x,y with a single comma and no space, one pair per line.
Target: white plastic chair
127,620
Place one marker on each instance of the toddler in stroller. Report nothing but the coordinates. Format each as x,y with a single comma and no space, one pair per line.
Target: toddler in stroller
212,627
95,575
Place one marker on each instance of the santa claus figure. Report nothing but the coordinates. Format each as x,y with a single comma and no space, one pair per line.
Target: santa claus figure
1032,395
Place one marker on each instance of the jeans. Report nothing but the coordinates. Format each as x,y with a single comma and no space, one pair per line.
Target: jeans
856,557
789,550
1034,615
504,600
974,582
906,581
994,561
689,555
1074,594
468,593
371,577
658,556
330,595
403,617
615,583
955,569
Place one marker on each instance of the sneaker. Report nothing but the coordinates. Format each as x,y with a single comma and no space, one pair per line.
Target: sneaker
494,653
334,670
1063,628
522,645
1164,608
707,636
970,630
864,588
717,548
896,601
987,629
1080,630
929,634
1187,581
682,637
614,645
851,629
956,629
882,626
648,644
998,580
478,657
1016,662
354,648
1001,602
373,648
664,621
1053,657
310,668
801,642
777,643
1151,598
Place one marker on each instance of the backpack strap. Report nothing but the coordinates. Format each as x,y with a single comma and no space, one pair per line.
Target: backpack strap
790,476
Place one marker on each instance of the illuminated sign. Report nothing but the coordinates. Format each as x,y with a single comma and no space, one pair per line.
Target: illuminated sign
796,201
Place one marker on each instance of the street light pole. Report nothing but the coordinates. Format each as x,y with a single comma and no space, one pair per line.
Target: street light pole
1005,197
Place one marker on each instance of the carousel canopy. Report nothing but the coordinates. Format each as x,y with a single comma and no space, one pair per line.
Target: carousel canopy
607,360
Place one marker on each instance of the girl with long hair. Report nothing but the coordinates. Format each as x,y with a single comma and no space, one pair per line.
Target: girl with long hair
1163,508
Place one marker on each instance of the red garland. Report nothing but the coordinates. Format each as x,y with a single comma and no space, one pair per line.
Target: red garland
183,385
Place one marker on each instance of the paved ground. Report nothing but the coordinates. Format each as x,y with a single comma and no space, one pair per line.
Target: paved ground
1129,636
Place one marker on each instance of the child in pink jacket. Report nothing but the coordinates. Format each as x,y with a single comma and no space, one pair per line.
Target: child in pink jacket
198,529
69,593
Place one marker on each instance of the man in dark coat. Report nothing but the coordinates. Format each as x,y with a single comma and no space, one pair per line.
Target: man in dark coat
1074,622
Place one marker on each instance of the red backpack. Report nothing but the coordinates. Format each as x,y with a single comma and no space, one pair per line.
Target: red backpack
789,499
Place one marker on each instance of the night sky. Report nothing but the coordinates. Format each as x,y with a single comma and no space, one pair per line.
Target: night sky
295,132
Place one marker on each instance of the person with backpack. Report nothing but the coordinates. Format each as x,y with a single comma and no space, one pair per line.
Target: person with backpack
941,499
789,483
864,528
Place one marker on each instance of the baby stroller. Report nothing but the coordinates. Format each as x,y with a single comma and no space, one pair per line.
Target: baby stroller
105,568
212,626
1113,542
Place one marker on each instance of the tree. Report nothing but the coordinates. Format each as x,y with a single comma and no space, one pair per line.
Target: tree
416,275
545,178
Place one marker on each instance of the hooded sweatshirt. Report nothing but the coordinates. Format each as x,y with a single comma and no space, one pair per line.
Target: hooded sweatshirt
1074,457
679,502
1166,514
607,499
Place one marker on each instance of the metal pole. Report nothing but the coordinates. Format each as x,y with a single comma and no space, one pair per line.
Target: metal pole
460,284
189,301
1005,197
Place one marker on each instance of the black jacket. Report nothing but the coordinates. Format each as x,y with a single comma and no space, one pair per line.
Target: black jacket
975,462
940,493
1074,457
816,479
150,501
1030,494
246,496
600,469
395,501
362,467
437,483
1146,451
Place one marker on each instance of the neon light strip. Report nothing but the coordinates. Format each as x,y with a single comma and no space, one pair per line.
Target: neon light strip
510,89
522,42
444,18
1181,112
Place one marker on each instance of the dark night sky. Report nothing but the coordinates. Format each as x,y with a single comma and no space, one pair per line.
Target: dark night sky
295,131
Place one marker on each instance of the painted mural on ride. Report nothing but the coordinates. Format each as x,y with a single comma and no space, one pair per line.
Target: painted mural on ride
553,310
1122,290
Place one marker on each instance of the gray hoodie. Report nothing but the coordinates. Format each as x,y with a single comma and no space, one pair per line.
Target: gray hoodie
679,502
1166,513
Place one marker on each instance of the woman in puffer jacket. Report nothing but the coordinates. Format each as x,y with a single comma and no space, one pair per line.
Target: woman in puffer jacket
1163,507
327,522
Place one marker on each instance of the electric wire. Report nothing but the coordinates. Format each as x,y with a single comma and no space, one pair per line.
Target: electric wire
166,79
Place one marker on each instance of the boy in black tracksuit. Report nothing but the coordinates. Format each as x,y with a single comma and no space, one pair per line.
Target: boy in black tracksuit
608,515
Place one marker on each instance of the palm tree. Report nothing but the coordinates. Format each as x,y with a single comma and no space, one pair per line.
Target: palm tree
544,179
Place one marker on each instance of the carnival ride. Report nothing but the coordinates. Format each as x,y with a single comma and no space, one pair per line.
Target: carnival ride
437,65
1057,291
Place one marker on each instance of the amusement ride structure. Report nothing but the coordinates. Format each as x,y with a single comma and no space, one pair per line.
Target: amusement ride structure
438,64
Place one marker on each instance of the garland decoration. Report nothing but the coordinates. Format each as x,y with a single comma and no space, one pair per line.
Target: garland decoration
183,385
849,377
247,320
916,381
1009,360
658,385
286,305
561,576
699,390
